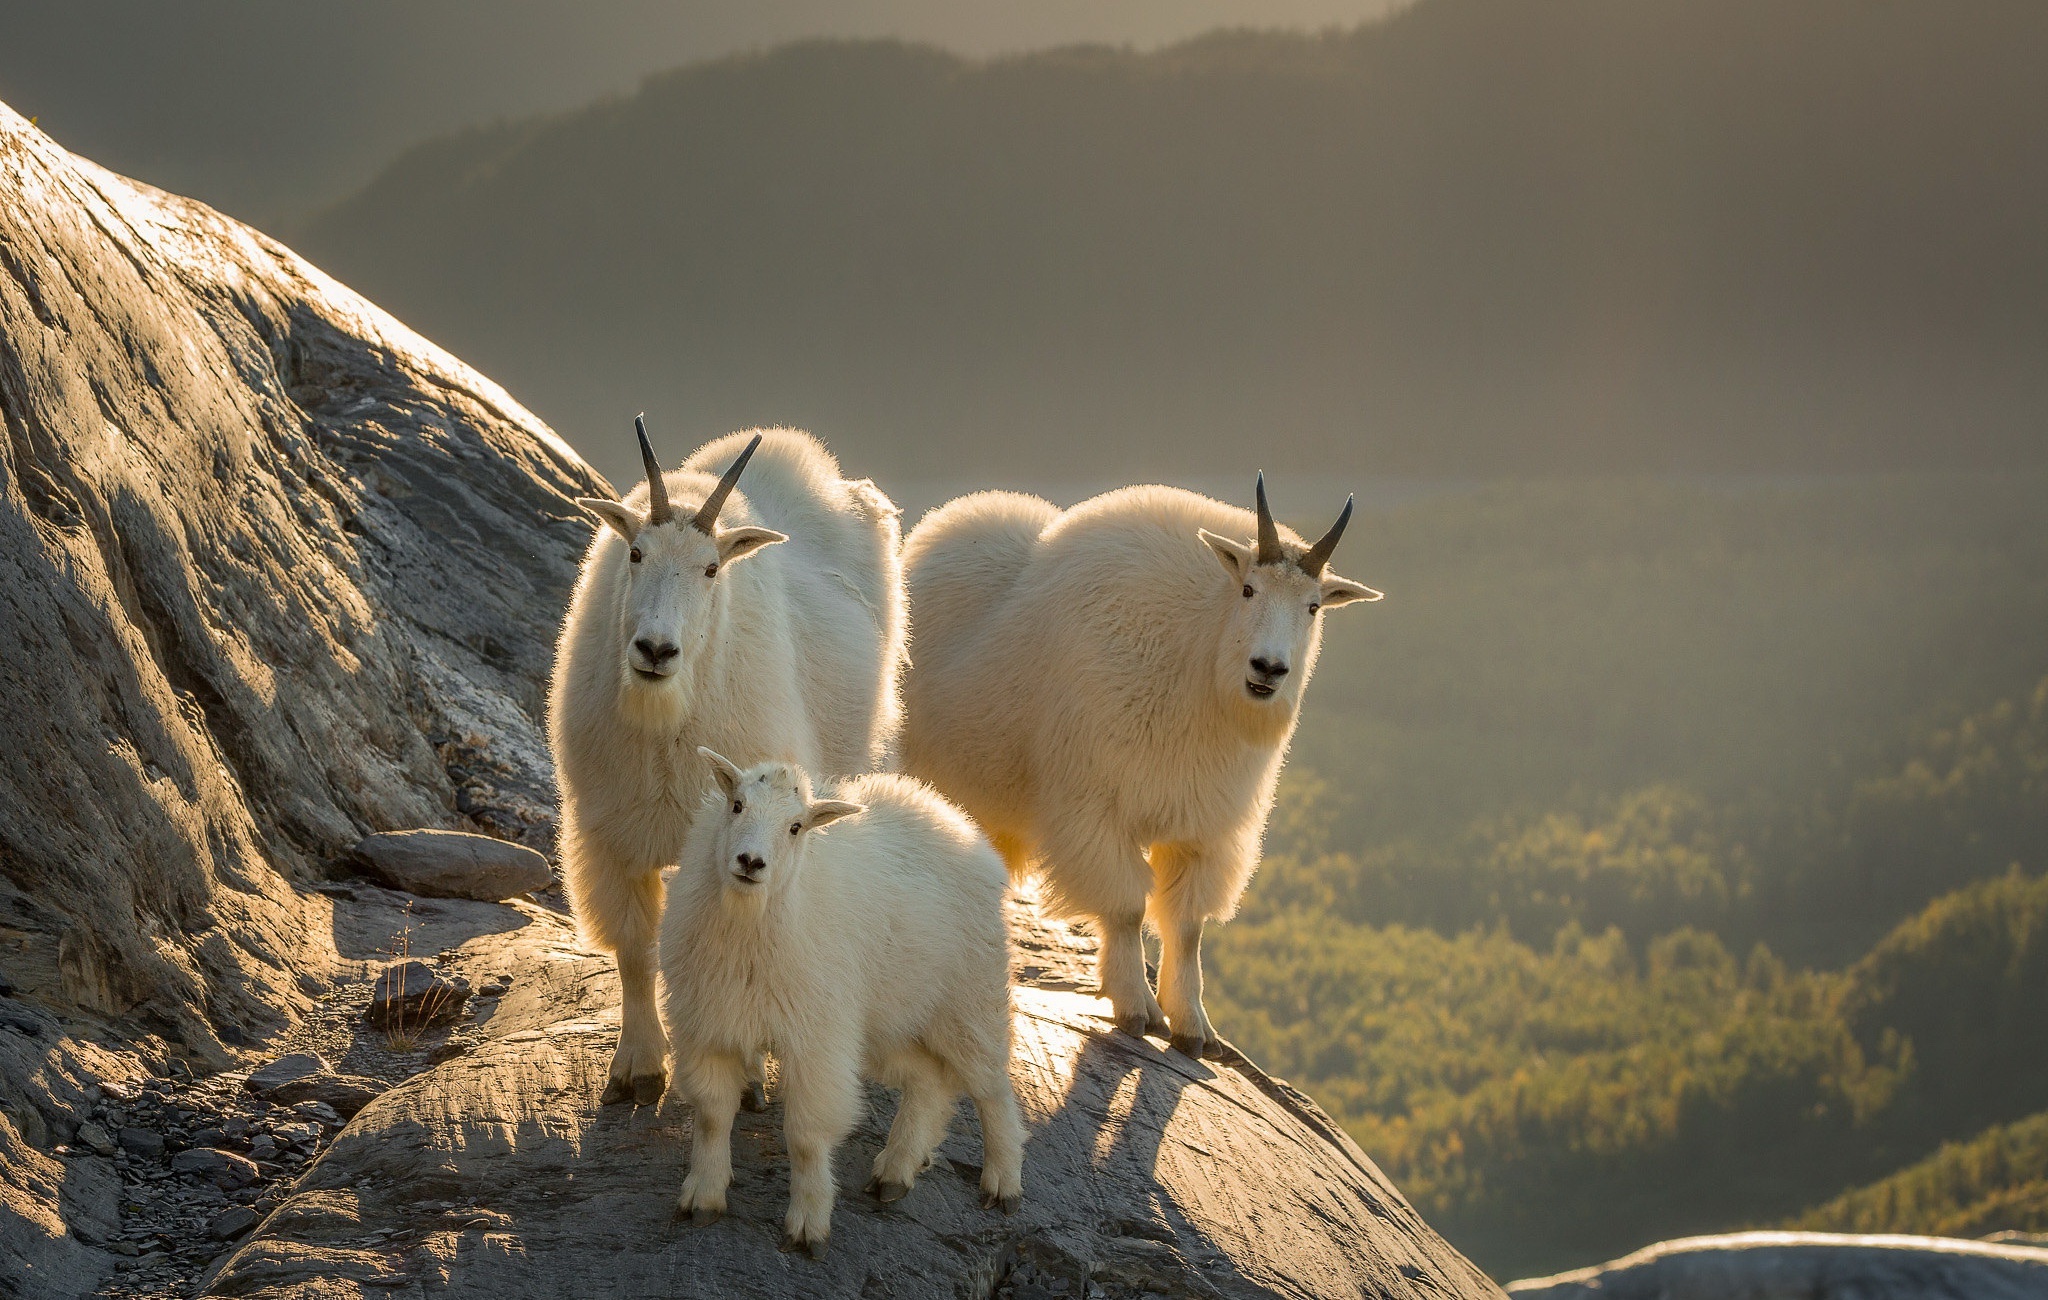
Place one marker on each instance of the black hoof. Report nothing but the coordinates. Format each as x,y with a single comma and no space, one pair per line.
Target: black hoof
616,1091
647,1088
755,1098
700,1216
1135,1026
1189,1045
888,1192
1007,1204
815,1249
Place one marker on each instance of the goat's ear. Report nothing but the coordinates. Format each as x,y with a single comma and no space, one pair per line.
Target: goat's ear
1236,556
1342,591
723,768
735,542
826,811
619,516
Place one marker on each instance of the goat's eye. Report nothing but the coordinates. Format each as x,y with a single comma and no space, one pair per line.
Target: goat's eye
794,827
1247,591
634,555
711,570
736,806
1313,607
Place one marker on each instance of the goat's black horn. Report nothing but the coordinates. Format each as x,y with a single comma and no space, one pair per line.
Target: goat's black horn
1269,536
1317,557
658,511
707,514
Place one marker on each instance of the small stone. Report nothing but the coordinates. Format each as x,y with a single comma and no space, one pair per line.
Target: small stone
452,864
224,1169
285,1070
142,1142
413,995
346,1093
317,1110
232,1223
263,1148
97,1138
209,1137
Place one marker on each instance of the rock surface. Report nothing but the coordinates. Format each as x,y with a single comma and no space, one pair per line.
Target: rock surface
1806,1266
499,1174
277,574
452,864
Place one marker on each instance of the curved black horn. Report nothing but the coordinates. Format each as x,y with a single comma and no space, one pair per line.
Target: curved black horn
706,521
658,511
1269,536
1316,557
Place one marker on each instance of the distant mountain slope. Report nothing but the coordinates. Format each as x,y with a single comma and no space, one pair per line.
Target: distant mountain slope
1994,1182
1484,236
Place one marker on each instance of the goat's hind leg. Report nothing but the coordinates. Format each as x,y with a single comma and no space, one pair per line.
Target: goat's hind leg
1092,871
987,1075
920,1125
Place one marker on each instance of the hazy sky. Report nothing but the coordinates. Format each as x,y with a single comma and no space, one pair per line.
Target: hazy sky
268,108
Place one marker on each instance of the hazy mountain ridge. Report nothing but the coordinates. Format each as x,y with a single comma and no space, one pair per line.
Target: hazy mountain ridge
1479,237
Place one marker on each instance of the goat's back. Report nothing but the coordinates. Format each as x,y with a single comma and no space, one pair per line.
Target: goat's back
844,584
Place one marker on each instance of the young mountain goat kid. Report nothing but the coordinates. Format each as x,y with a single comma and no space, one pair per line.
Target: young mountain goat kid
690,627
1110,693
879,948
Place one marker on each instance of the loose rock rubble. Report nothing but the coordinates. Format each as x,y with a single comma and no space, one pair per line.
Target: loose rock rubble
201,1162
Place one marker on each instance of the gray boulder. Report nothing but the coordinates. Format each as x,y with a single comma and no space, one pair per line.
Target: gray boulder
1806,1266
452,864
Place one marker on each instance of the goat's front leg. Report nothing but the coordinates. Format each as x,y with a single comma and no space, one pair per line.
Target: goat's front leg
1178,904
714,1084
820,1100
618,906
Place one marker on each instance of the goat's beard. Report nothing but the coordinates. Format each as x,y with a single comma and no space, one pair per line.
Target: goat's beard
661,704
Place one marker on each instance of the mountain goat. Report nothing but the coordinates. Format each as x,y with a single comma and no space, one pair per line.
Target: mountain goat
1110,692
691,626
879,948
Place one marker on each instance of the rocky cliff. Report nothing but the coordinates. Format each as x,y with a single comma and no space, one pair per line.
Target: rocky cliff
277,573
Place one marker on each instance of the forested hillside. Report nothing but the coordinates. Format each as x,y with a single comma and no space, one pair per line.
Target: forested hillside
1670,1080
1995,1182
1483,236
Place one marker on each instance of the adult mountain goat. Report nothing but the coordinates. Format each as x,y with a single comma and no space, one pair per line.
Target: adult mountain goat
876,948
690,626
1110,693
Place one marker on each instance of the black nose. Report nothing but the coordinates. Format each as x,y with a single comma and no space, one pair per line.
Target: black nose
656,654
1270,668
750,863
